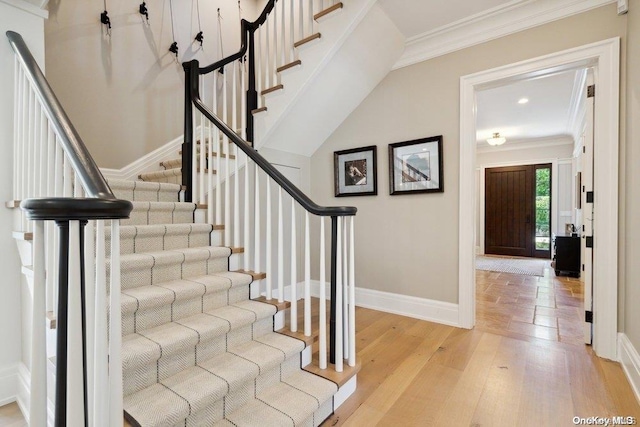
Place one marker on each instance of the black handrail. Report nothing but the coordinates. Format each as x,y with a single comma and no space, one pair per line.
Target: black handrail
192,82
245,28
85,167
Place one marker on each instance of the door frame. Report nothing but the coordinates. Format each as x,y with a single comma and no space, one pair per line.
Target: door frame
604,56
554,190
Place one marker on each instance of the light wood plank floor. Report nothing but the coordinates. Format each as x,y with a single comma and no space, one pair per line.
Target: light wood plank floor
523,364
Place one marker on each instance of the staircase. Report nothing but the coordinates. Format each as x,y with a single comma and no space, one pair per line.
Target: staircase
196,350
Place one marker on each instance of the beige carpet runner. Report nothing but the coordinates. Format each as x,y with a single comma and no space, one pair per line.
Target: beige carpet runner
196,351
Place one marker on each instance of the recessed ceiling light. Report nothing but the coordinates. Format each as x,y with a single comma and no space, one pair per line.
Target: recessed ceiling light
523,100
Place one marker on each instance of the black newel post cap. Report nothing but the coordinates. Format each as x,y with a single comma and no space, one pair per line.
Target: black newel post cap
71,209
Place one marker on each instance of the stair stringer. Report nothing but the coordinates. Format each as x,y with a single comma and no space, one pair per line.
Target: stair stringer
332,81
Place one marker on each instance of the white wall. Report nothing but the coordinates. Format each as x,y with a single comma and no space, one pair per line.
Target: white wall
125,94
31,27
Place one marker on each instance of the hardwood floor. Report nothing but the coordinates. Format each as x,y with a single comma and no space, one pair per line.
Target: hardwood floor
523,365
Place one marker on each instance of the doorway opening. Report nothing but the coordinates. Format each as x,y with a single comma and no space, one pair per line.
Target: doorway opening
604,57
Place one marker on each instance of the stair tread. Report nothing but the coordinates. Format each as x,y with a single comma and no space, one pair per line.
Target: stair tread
307,40
328,11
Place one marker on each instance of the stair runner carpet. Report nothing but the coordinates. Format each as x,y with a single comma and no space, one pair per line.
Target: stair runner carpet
196,350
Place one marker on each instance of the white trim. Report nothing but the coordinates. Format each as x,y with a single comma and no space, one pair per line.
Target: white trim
404,305
630,361
23,397
8,384
28,7
525,144
345,391
554,189
489,25
150,162
577,109
605,55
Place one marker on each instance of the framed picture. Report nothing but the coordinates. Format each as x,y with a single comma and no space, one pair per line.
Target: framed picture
416,166
355,172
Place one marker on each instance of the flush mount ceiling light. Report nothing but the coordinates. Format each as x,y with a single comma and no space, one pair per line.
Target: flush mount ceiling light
523,100
496,139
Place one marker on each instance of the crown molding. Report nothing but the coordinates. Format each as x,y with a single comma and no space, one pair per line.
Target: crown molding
525,144
27,6
577,104
494,23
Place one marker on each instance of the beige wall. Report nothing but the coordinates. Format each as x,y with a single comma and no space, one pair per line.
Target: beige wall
630,160
124,94
409,244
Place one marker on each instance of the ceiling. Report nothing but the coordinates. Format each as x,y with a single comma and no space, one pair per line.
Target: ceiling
415,17
549,111
552,104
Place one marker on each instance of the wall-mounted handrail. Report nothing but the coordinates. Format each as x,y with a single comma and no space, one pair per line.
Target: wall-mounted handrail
191,69
92,180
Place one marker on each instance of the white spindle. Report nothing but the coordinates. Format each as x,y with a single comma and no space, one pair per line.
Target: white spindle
67,178
115,331
17,100
101,368
33,150
352,295
260,64
322,334
246,234
269,290
194,160
227,169
345,290
292,31
310,17
275,44
202,157
234,97
90,313
300,20
236,175
50,226
307,277
243,102
256,227
283,35
267,55
280,248
210,163
38,386
338,347
215,142
294,273
75,362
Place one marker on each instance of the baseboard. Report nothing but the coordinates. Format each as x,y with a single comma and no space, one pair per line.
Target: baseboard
404,305
24,390
8,384
630,361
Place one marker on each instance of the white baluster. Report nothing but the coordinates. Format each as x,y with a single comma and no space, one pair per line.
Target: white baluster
283,35
236,175
256,227
338,302
115,331
292,31
345,290
280,248
267,55
300,20
43,149
17,117
50,226
268,249
310,17
307,277
275,44
38,386
194,160
294,273
243,102
101,368
227,165
67,178
322,334
215,143
210,169
75,362
259,65
247,232
90,313
202,164
352,295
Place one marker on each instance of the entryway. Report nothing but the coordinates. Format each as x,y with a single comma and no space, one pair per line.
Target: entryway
604,57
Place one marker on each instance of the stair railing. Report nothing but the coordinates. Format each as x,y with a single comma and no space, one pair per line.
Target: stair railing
234,88
268,248
57,181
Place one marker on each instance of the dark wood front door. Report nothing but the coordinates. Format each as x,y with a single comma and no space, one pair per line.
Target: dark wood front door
509,207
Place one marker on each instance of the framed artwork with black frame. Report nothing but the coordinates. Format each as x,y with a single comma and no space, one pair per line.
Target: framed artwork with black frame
355,172
416,166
